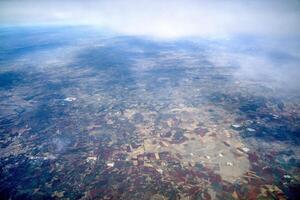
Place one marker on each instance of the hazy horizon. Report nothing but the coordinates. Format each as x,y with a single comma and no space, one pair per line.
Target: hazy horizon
163,19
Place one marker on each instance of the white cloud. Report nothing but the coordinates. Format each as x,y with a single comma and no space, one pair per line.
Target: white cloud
168,18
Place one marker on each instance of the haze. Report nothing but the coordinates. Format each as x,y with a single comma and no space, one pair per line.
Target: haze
163,19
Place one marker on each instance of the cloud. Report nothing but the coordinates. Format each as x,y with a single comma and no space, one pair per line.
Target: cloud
168,18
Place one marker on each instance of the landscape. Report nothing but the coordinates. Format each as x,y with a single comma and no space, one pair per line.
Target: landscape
92,113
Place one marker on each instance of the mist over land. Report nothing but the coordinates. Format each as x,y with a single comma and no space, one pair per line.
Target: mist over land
149,99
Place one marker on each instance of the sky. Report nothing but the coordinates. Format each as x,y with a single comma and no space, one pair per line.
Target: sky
162,18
